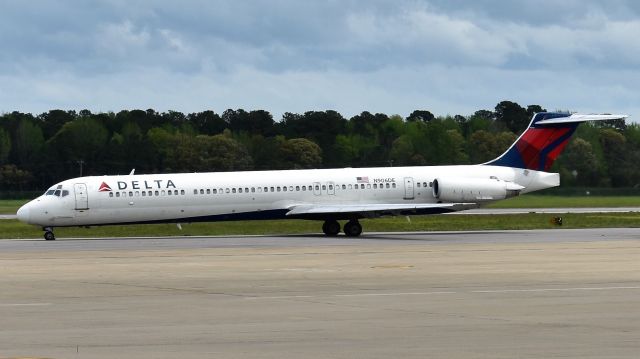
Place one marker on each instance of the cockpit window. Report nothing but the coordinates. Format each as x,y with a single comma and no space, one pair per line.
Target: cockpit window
57,191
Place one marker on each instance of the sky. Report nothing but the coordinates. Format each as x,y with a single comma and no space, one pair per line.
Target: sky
446,56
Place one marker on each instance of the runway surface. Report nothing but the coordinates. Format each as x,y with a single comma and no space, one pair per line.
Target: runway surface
495,294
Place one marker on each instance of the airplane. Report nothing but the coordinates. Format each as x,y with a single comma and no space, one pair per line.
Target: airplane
328,195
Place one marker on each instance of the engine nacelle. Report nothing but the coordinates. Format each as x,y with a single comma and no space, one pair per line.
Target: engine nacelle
473,189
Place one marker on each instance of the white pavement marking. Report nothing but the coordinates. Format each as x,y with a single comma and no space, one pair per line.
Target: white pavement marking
24,304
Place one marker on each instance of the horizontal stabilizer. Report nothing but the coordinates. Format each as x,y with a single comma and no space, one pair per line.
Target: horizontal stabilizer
581,118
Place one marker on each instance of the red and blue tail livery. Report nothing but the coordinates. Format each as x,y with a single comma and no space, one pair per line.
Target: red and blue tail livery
543,141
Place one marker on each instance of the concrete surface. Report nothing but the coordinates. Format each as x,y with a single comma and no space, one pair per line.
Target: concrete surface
498,294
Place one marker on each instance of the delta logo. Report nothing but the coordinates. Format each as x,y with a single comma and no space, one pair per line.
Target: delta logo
104,187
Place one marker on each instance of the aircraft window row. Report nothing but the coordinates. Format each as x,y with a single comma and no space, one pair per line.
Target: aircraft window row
58,192
424,184
298,188
155,193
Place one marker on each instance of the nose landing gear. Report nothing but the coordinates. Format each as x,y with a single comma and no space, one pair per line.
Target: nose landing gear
48,234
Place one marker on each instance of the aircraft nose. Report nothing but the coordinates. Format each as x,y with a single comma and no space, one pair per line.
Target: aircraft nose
24,214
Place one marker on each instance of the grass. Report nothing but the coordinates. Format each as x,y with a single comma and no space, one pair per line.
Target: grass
15,229
538,201
525,201
10,206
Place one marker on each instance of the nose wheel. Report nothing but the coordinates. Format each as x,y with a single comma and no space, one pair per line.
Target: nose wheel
48,234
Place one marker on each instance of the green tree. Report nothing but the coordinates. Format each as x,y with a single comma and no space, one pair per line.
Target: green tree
28,142
5,146
512,115
299,153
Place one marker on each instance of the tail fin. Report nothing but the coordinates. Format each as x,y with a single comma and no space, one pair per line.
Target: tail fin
544,139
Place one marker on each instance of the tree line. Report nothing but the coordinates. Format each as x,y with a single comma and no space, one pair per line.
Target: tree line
39,150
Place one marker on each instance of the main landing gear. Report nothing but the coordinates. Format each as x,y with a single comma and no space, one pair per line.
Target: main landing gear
48,234
331,228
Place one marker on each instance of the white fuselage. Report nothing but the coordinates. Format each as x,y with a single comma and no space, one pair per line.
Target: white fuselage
189,197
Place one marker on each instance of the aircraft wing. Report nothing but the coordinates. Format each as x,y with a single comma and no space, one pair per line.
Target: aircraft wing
319,211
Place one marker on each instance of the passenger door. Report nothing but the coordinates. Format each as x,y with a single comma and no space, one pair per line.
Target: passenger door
82,198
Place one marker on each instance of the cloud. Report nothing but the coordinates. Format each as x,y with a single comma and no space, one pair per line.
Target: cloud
447,56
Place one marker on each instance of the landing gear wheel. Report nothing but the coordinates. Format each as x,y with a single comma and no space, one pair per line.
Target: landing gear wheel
331,228
49,236
352,229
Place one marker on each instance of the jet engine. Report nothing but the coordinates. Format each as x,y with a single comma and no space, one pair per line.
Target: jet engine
473,189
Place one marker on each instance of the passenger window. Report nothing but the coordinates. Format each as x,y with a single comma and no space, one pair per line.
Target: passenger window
355,186
181,191
131,194
117,194
259,189
208,190
297,188
215,191
393,185
331,186
162,193
157,194
304,188
144,194
278,188
233,190
239,190
375,186
65,193
169,192
195,191
418,184
388,185
317,188
150,193
350,186
362,186
226,190
272,189
284,189
344,186
110,194
201,191
137,193
246,190
424,184
369,186
253,189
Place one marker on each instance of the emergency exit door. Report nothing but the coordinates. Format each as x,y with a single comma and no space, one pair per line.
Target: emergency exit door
82,198
408,188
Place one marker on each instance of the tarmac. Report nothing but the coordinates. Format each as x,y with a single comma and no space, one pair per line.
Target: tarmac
561,293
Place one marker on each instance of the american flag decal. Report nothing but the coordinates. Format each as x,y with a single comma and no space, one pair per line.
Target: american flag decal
362,179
